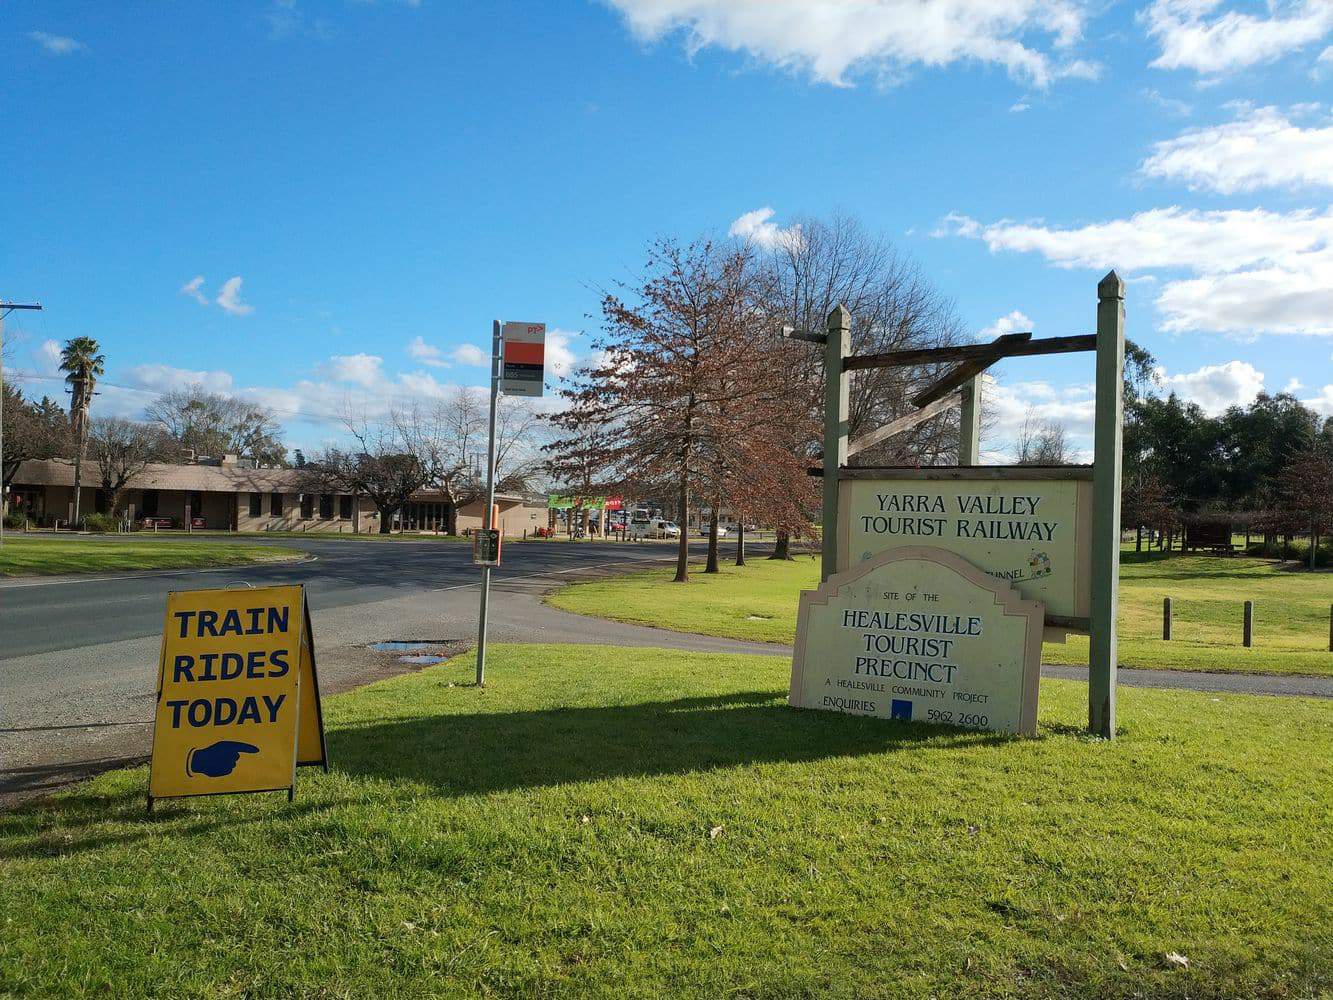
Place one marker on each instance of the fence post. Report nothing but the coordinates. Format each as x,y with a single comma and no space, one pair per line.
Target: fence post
1107,433
1330,628
1249,624
836,400
1166,618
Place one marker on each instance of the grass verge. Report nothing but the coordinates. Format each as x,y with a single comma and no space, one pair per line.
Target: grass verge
608,822
48,556
758,602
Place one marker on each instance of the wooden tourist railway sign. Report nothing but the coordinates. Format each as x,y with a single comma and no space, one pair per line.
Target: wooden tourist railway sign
995,555
922,635
1031,528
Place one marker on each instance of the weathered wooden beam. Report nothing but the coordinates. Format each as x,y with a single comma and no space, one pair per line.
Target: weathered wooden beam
967,370
837,399
968,352
904,423
963,473
806,335
1106,447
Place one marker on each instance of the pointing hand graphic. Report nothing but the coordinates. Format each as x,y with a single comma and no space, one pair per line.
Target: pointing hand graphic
217,760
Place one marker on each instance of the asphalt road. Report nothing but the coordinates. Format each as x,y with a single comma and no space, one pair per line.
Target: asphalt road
40,616
78,656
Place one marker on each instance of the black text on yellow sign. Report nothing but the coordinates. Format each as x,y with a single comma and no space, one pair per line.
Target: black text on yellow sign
237,694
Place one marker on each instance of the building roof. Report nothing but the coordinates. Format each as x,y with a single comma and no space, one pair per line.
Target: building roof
204,478
161,476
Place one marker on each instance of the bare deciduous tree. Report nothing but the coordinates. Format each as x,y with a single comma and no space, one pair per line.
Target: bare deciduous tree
1040,442
122,449
209,423
392,459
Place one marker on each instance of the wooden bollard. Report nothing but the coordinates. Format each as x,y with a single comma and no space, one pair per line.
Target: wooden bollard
1166,618
1249,624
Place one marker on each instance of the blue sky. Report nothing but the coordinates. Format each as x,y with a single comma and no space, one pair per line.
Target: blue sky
310,203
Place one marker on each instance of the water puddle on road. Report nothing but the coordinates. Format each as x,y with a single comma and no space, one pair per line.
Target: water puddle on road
418,653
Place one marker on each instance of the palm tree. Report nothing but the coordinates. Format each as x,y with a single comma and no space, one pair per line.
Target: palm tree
82,365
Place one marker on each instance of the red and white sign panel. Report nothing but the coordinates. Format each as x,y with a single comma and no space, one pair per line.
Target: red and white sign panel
522,358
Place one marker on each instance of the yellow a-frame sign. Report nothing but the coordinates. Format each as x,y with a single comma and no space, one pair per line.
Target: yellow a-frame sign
238,706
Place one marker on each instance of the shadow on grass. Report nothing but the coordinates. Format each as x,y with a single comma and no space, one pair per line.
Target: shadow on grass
472,754
478,753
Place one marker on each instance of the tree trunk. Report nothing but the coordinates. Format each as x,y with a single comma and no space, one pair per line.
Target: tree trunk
683,520
1138,538
782,546
712,566
740,541
386,520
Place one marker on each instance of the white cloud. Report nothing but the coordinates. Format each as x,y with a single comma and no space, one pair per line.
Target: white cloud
1007,406
194,289
162,378
1018,106
1293,386
1261,148
230,298
471,354
1015,322
57,45
1323,403
1212,38
560,355
358,369
755,227
427,354
47,357
1171,105
1254,271
1215,387
832,40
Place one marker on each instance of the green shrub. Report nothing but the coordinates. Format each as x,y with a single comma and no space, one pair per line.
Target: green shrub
14,521
100,524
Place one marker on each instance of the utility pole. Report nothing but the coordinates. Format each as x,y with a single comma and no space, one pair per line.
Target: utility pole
5,309
490,499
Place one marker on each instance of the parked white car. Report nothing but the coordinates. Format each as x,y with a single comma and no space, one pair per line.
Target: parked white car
722,531
654,529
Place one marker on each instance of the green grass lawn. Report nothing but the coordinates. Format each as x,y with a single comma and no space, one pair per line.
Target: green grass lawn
759,600
47,556
619,823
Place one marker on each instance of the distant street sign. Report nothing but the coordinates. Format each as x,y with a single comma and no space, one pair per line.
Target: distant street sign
486,547
523,358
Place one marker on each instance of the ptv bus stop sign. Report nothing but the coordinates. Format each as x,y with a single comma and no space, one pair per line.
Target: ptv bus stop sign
522,359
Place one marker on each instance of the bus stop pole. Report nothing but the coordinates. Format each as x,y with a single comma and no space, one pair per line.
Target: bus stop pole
490,500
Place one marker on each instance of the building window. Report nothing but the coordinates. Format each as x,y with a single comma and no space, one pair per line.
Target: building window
275,504
196,500
325,506
256,504
345,508
149,504
307,505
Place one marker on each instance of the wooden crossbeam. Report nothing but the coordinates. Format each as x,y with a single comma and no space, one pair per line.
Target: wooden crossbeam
970,352
904,423
967,370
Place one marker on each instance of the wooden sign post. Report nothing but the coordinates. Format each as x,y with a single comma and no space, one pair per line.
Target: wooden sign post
1053,533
